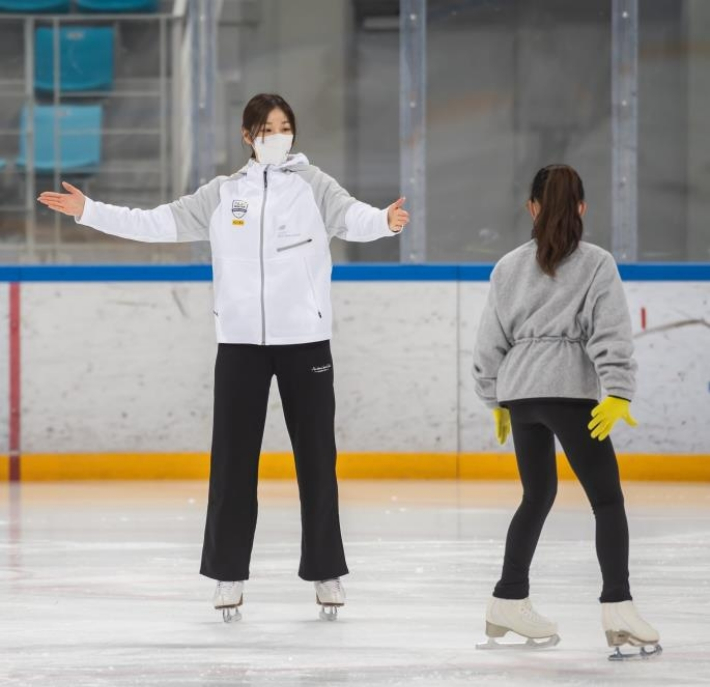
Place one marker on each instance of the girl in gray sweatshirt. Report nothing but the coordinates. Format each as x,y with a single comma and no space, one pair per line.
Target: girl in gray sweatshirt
554,332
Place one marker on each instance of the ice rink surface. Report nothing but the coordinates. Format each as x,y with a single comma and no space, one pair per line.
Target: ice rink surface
99,586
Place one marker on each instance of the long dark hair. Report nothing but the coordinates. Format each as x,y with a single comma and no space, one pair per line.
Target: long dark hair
558,228
257,112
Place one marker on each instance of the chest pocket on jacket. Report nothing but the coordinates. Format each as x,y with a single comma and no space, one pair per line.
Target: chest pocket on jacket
291,246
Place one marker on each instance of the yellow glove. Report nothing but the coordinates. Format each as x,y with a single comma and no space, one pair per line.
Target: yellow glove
502,419
606,414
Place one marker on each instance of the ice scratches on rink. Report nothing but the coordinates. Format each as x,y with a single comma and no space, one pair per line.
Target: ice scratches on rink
99,586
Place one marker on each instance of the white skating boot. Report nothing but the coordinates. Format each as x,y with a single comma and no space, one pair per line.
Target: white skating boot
331,596
518,615
229,596
623,625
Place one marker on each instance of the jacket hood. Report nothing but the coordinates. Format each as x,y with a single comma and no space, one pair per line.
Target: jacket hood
295,163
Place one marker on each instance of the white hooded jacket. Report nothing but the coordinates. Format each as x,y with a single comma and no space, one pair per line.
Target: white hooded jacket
269,228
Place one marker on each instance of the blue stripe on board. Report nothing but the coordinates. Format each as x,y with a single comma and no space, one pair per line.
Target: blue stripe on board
475,272
348,272
665,271
94,273
395,272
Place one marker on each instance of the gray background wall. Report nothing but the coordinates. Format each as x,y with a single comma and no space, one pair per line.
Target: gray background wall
513,85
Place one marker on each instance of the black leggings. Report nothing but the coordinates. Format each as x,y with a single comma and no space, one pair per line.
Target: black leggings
535,425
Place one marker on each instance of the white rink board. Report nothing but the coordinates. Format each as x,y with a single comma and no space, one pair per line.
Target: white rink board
128,367
673,398
117,367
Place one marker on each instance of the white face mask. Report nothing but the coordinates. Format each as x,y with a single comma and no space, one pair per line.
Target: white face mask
272,150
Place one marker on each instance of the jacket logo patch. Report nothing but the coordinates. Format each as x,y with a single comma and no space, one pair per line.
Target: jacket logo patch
321,368
239,208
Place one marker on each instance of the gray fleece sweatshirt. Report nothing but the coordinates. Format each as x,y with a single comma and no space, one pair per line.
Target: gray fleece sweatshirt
561,337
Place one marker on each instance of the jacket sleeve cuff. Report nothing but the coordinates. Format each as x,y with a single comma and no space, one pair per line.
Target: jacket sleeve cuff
85,217
386,231
621,395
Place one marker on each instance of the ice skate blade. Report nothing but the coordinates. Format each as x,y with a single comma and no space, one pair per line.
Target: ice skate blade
231,614
328,612
642,654
528,645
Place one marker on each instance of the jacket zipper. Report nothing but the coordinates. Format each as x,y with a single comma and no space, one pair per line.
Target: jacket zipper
313,289
261,259
293,245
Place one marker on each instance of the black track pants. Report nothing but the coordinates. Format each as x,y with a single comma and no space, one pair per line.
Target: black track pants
243,376
535,425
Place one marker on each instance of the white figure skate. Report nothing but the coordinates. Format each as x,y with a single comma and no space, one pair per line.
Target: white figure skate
623,625
518,616
330,595
229,596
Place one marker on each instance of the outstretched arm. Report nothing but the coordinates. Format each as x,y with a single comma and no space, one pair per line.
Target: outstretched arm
348,218
186,219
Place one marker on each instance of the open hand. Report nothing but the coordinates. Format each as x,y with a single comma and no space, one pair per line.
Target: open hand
71,203
607,414
397,217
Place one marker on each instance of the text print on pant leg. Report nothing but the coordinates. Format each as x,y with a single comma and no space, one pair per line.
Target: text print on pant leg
321,368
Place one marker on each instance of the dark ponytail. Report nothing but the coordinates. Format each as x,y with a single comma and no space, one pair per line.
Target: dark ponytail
558,228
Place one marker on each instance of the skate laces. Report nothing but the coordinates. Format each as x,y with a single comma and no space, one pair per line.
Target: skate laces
226,587
333,586
526,609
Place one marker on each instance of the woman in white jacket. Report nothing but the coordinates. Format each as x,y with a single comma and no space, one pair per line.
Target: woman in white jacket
269,226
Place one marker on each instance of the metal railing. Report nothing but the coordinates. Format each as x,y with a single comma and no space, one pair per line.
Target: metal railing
182,69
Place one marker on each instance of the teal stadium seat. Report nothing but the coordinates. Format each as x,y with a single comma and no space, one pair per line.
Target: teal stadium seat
32,6
79,138
110,6
85,58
